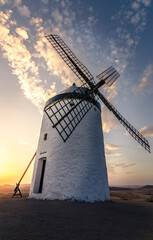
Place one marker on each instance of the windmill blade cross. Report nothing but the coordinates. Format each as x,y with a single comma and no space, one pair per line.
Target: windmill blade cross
108,76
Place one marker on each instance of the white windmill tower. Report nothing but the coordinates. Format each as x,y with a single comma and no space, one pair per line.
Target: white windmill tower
71,165
74,168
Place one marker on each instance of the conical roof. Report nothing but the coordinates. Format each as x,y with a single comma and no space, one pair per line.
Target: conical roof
69,89
77,94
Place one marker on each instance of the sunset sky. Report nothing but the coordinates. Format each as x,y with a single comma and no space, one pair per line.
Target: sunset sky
101,34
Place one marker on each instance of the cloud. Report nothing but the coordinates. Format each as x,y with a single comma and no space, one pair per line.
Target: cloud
112,154
57,16
36,21
109,121
136,18
44,1
62,19
23,60
147,131
110,168
137,14
91,21
117,167
133,17
55,65
90,9
20,59
24,11
45,10
3,2
112,91
112,146
135,5
17,2
146,2
4,17
63,4
123,165
22,33
146,83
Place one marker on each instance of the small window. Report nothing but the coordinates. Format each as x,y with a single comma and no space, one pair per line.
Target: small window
45,136
94,108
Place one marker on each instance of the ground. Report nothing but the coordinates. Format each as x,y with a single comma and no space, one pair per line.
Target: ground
122,218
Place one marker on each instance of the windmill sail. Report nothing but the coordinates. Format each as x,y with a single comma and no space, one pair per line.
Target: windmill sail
67,113
70,59
109,76
131,130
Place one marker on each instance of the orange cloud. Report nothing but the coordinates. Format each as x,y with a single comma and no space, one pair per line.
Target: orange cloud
146,82
24,67
112,154
22,33
147,131
20,59
109,120
55,65
112,146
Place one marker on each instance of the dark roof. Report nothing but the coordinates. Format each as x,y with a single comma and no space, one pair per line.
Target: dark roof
66,94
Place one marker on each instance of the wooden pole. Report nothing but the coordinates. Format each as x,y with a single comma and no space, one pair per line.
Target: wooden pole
18,184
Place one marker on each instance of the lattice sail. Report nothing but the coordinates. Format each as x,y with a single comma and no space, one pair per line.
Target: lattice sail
109,76
131,130
70,59
67,113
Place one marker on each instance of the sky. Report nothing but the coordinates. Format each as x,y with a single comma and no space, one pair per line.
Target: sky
101,34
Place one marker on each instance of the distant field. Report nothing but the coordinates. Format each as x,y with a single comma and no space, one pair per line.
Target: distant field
138,195
143,194
8,190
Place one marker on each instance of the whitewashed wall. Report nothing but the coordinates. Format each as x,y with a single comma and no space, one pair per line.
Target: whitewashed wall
75,169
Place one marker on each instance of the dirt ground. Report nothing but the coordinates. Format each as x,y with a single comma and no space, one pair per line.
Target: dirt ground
22,219
128,216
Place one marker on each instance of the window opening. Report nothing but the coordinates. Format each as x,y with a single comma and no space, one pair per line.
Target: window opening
45,136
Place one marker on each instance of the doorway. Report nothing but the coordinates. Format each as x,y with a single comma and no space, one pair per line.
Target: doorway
38,187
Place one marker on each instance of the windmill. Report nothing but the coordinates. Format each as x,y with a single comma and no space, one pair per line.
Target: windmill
74,167
107,77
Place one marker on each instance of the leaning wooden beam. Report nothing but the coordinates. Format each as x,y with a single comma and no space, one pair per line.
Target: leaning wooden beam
17,191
